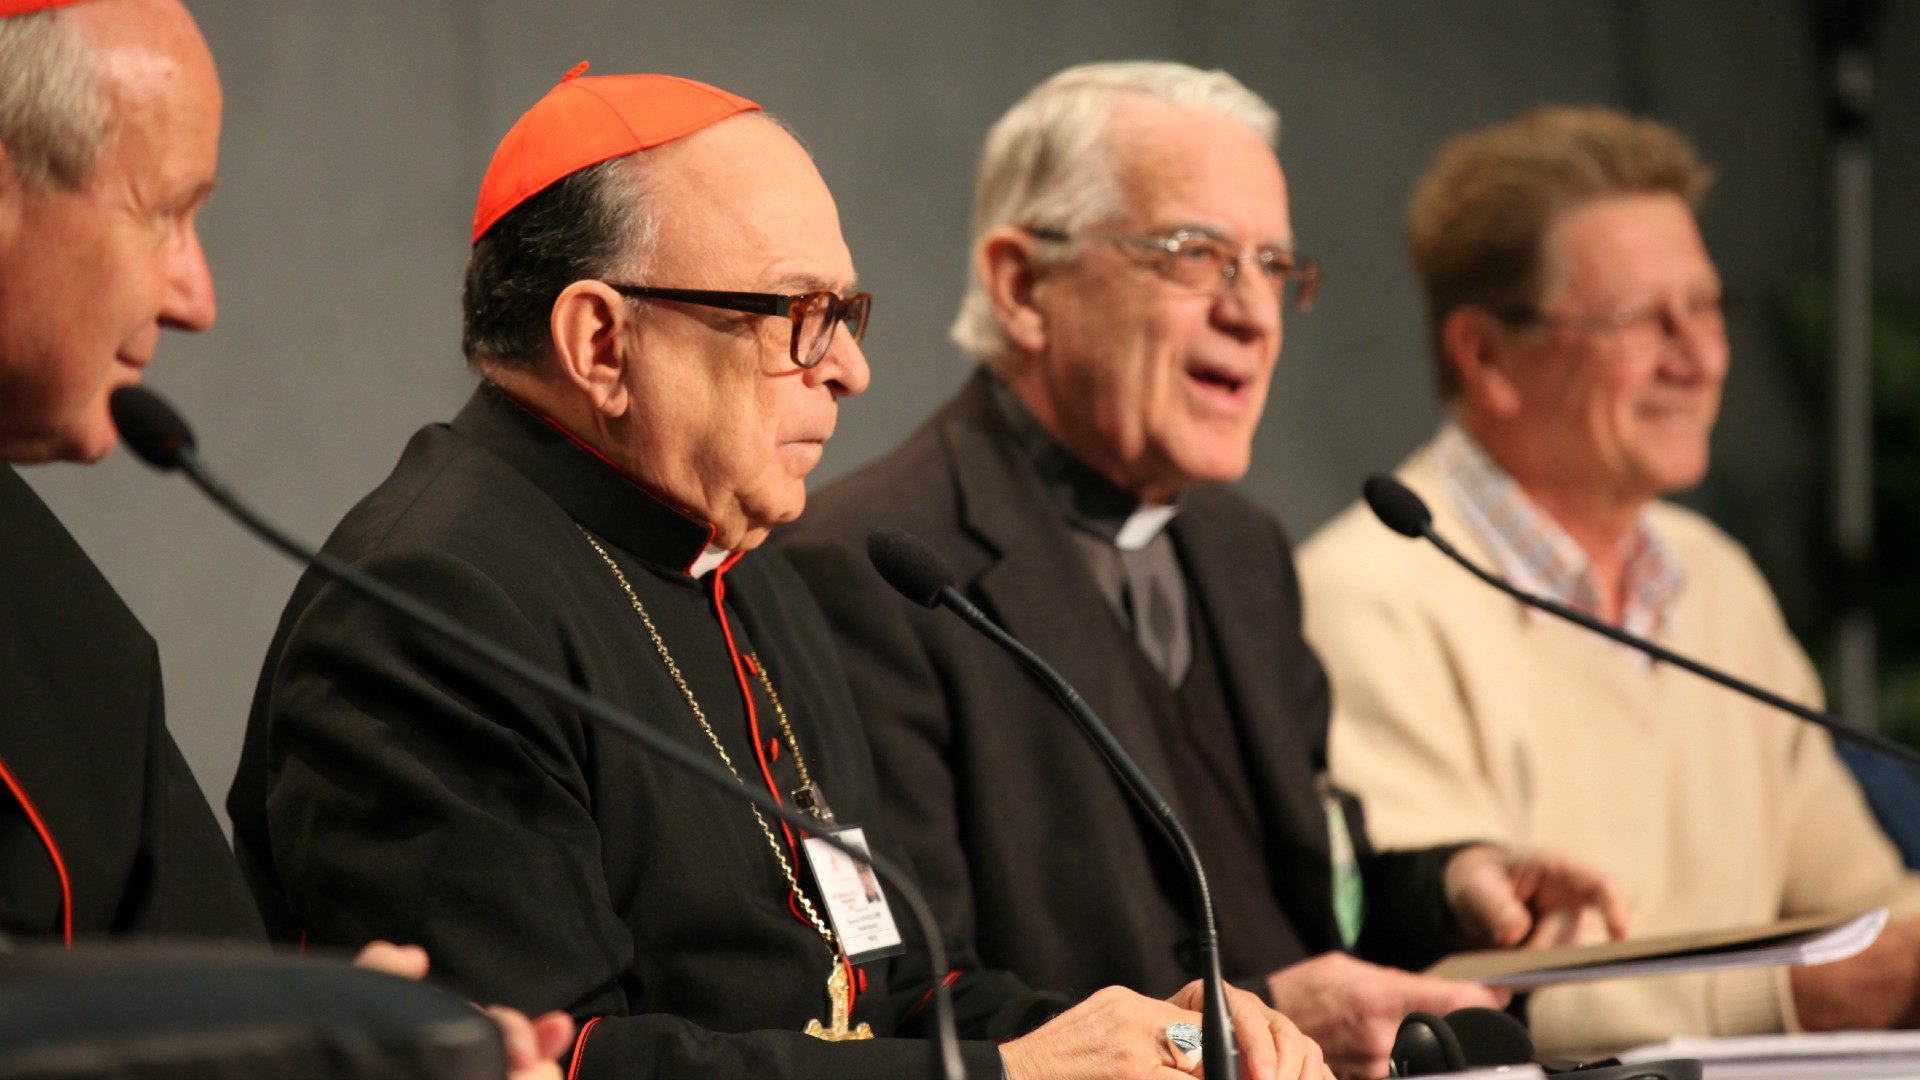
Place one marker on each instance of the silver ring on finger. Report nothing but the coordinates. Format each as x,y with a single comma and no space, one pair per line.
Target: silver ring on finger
1186,1038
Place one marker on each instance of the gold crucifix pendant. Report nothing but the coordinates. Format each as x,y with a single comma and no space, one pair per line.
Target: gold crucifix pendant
841,994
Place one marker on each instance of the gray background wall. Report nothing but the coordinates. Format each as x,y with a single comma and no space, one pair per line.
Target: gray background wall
356,133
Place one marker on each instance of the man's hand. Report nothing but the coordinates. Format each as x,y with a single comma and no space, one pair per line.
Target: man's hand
401,961
1353,1008
1120,1034
533,1046
1503,899
1878,989
1271,1045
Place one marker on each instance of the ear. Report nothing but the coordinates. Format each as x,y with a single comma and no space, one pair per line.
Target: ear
593,343
1005,265
1480,348
13,194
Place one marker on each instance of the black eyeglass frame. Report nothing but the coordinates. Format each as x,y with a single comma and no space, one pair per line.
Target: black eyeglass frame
1303,274
794,306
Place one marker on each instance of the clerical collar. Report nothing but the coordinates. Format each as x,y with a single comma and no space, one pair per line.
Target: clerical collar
709,560
1091,501
591,489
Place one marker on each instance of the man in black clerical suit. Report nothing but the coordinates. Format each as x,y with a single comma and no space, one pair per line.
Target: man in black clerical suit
109,131
102,828
593,507
1132,255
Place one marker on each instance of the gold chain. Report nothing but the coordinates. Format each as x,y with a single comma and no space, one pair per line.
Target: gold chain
786,729
807,797
673,669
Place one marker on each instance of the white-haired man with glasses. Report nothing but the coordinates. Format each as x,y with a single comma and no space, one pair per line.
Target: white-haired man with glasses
1133,255
1577,326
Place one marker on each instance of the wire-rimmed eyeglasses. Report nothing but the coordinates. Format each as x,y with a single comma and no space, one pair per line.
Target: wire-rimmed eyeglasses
1208,263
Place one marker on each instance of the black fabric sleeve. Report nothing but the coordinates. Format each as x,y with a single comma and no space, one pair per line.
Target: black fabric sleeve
993,1005
412,798
184,882
1408,924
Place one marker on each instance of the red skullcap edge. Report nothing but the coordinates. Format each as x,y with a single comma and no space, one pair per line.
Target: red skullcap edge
10,8
562,134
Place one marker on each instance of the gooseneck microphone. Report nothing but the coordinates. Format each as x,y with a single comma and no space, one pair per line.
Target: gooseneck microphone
917,572
1402,511
155,432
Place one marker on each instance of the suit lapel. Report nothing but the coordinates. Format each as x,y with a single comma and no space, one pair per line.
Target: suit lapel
1038,588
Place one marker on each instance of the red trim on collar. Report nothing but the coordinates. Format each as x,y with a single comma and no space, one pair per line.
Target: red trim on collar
53,851
650,491
579,1047
753,731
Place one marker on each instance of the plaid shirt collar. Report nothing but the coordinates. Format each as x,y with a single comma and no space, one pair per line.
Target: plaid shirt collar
1536,554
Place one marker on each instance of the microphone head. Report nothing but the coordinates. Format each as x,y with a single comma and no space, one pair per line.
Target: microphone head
1489,1037
149,426
1425,1046
1397,508
909,564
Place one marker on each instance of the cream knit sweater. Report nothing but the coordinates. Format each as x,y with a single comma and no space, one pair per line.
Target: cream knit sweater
1459,715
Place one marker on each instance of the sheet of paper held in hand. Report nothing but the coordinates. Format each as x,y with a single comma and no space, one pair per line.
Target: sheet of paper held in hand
1820,939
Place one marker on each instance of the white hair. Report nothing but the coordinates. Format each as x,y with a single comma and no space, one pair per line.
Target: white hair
1046,162
54,108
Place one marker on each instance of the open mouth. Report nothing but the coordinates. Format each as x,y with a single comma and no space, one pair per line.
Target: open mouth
1220,386
1218,377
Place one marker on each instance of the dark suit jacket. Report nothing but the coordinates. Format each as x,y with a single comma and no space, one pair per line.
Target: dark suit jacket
84,742
1027,844
391,787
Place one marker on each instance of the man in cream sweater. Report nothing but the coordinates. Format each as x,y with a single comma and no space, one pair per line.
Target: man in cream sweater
1576,320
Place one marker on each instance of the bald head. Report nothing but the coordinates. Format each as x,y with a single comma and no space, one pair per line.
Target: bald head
115,195
148,46
57,77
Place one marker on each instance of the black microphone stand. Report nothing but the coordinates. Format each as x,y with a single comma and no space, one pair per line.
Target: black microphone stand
1219,1053
1840,729
946,1051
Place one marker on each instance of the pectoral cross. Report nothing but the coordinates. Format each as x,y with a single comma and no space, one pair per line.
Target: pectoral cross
841,994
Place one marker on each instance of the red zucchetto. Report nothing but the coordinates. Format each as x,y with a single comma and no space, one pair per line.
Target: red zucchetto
585,121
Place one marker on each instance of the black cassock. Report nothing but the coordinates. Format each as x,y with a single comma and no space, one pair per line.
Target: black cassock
391,789
90,781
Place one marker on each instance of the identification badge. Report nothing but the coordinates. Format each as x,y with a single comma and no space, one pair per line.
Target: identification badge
856,906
